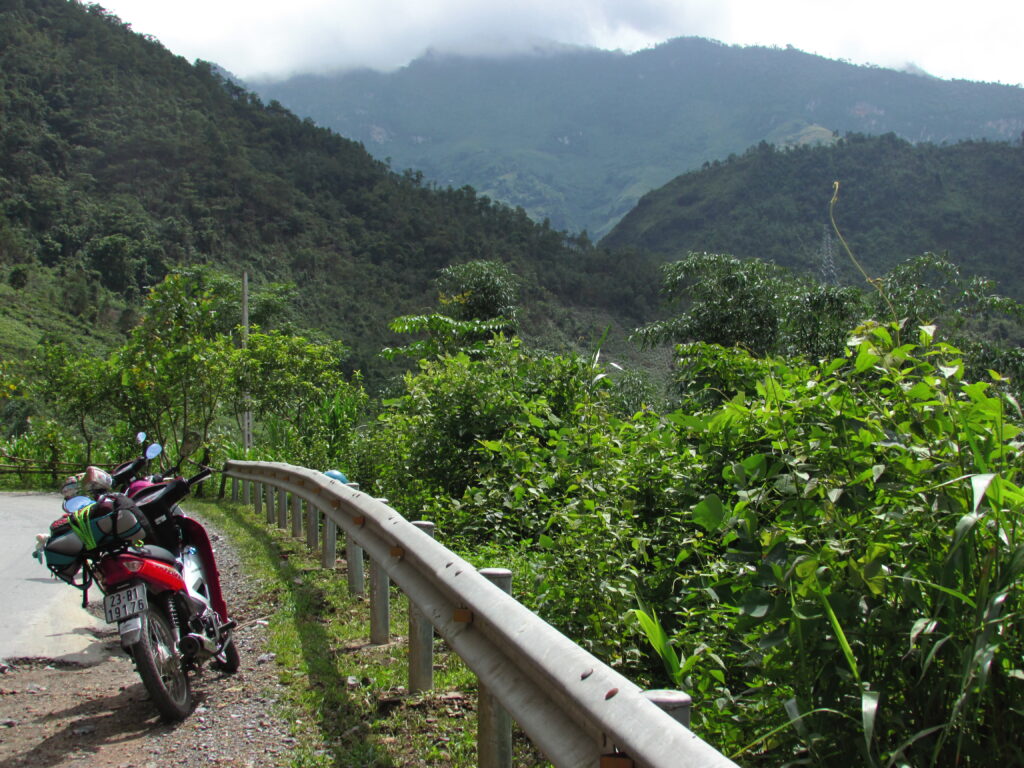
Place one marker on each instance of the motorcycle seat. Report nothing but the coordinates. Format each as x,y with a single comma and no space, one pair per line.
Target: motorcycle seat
157,553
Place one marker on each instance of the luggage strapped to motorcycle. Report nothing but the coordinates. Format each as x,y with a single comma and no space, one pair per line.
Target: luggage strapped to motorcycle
118,523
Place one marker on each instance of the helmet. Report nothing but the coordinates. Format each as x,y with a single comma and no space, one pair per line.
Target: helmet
72,485
97,480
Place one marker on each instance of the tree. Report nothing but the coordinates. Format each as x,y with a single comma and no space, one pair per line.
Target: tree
728,302
477,300
479,290
297,388
76,387
177,368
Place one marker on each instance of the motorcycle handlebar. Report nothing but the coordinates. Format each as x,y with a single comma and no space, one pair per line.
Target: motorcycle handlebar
205,473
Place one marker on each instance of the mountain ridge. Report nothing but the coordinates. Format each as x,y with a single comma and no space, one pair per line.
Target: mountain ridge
578,137
894,200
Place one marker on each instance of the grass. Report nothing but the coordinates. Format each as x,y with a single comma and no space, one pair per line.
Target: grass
347,699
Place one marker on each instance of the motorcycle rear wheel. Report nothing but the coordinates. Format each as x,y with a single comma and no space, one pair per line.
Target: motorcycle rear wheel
160,667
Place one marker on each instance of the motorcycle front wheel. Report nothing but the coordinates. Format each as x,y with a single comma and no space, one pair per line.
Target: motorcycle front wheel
160,667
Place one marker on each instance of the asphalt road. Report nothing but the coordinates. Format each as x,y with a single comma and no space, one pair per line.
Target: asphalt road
40,616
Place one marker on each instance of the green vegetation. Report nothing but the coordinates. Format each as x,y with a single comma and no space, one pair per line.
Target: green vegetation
578,136
478,299
771,310
834,553
824,551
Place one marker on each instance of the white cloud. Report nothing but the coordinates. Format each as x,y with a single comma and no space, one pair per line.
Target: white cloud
257,37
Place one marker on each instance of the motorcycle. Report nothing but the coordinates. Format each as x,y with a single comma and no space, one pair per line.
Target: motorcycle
156,569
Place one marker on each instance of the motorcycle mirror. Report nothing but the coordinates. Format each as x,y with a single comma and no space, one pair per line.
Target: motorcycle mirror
140,438
154,450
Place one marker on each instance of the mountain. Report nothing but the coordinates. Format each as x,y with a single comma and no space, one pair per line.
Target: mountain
896,200
121,161
577,136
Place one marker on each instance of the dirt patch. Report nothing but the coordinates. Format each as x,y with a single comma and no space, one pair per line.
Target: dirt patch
55,716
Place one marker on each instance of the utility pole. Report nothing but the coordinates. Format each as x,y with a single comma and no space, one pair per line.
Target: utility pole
246,414
827,254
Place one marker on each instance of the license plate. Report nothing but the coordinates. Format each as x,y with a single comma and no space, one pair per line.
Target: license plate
127,602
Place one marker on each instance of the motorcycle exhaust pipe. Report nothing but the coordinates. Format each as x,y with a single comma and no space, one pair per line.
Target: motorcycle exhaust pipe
194,644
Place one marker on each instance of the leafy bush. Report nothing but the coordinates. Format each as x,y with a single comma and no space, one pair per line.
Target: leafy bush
830,550
858,562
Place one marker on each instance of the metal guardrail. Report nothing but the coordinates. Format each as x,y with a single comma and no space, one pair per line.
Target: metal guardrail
576,710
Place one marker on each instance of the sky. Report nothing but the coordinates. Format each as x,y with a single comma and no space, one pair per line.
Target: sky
256,39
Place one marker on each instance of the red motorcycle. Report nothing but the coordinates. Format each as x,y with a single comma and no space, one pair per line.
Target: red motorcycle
155,566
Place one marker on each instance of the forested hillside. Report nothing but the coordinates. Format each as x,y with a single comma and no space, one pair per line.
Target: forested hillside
120,160
578,135
896,200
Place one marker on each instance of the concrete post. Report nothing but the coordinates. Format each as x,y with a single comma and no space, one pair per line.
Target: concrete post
494,726
676,703
421,637
354,558
282,508
380,604
330,553
270,502
296,516
312,526
258,498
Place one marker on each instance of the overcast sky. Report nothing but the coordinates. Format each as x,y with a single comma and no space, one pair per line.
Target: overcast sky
978,40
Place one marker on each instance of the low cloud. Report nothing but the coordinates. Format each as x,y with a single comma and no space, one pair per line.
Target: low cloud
257,38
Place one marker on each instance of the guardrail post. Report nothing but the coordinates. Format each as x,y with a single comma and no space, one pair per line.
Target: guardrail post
247,492
330,553
421,637
380,605
354,558
494,726
270,502
676,703
282,508
258,497
312,526
296,516
234,489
